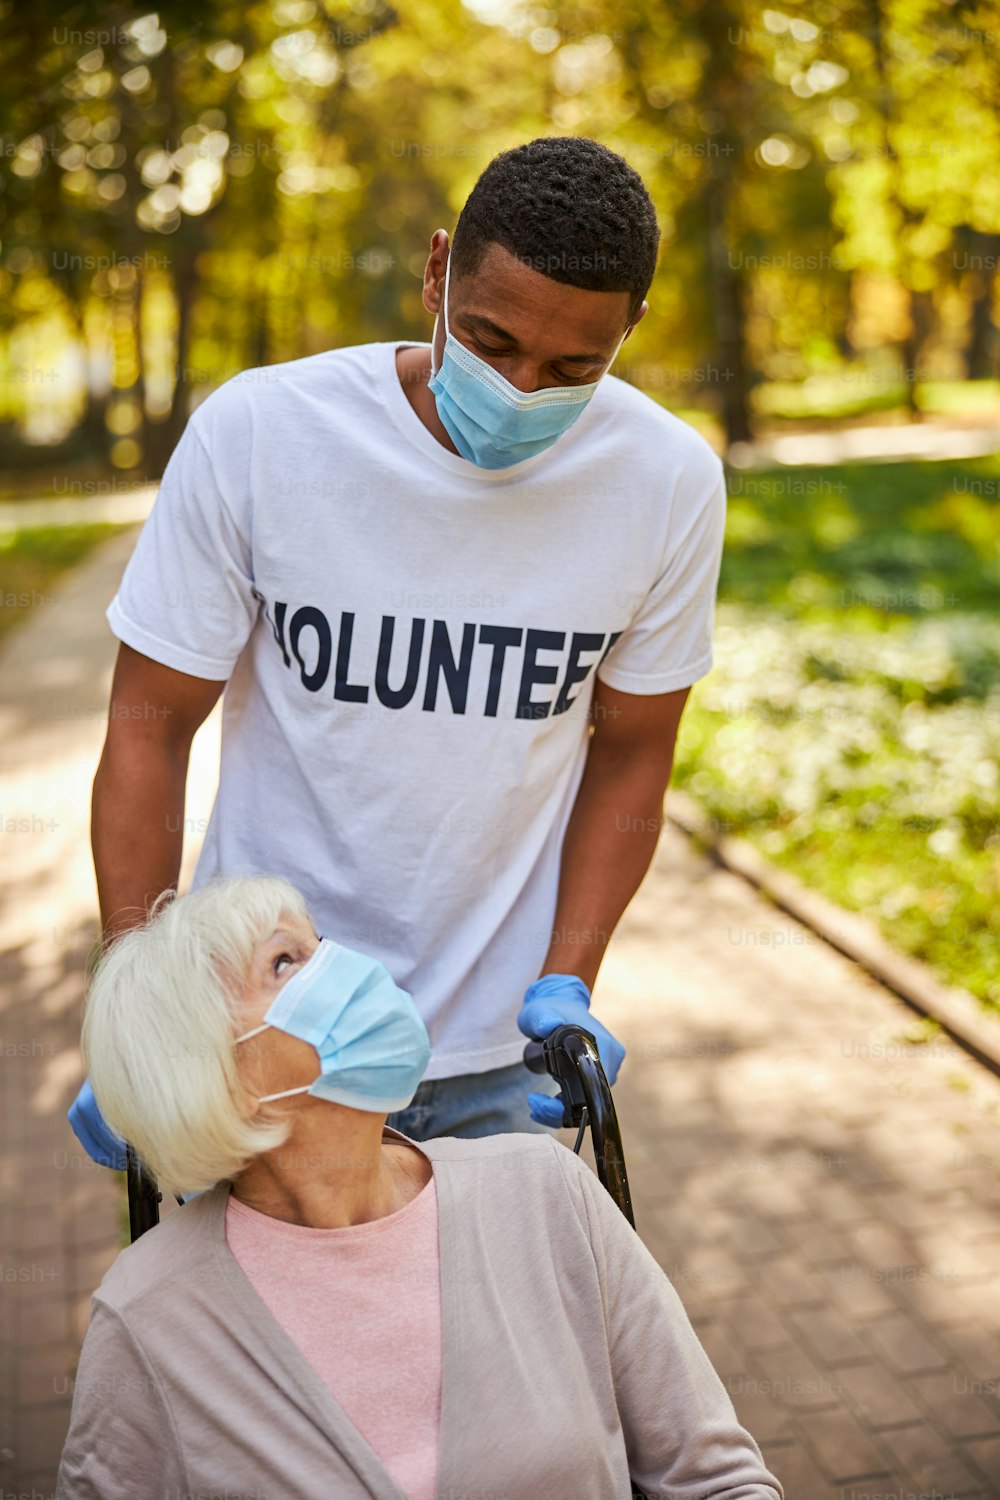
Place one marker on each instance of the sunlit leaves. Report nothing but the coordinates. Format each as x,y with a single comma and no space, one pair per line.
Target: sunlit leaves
838,153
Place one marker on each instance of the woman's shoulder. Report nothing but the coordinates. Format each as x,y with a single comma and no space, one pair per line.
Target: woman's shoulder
167,1252
490,1154
508,1168
455,1147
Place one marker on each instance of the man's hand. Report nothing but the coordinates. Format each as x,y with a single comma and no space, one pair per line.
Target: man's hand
560,1000
93,1131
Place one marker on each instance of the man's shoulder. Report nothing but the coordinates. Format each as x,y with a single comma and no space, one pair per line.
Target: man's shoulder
255,393
649,428
309,371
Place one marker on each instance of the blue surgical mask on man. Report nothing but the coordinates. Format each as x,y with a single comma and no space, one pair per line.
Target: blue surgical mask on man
372,1043
490,421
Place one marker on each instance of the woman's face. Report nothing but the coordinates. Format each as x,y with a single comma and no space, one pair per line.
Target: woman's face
274,1061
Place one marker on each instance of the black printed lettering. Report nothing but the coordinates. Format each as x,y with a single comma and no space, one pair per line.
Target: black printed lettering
533,673
308,618
575,672
348,692
305,637
278,627
499,637
398,697
441,659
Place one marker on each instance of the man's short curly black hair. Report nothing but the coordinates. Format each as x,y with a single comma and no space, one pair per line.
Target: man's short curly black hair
568,207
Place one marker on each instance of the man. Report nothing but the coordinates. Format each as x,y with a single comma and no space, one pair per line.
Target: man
457,596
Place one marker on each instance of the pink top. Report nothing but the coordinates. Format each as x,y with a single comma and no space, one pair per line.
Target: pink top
363,1304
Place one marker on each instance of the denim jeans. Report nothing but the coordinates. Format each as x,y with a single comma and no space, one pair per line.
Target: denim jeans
474,1104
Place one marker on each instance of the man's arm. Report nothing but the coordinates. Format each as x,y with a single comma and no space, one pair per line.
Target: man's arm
137,821
615,823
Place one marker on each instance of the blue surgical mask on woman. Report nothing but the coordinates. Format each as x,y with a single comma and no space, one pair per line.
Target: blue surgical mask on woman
372,1043
490,421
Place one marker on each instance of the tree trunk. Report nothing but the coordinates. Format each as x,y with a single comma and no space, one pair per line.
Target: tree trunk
726,94
982,352
729,294
921,323
165,435
884,103
723,93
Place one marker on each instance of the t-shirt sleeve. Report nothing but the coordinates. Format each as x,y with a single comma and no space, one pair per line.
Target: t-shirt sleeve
186,597
668,642
681,1431
122,1444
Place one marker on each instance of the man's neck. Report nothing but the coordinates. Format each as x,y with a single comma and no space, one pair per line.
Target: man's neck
413,367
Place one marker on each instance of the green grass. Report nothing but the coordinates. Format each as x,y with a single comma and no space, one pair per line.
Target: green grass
32,561
861,542
851,725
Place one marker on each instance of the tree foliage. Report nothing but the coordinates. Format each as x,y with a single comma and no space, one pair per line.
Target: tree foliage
194,190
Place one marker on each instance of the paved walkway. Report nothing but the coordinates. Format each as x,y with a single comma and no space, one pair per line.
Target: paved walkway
825,1196
130,502
876,443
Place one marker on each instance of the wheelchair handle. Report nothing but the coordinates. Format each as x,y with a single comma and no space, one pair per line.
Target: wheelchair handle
569,1054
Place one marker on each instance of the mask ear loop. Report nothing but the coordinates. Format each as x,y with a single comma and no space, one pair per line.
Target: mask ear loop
266,1098
447,331
256,1032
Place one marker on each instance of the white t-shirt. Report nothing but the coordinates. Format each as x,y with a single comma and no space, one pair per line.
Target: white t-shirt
409,644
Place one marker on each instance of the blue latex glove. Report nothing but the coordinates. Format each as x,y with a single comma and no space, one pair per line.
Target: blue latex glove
93,1131
560,1000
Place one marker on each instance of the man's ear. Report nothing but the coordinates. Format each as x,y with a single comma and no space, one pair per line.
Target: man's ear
433,287
643,310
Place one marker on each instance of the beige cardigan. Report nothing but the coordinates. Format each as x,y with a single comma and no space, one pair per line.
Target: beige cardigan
567,1360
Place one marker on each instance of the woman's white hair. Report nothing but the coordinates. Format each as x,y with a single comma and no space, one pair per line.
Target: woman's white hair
162,1015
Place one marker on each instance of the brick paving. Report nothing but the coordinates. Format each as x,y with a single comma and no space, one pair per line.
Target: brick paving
824,1194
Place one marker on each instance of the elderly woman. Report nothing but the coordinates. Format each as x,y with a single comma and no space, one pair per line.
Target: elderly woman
339,1312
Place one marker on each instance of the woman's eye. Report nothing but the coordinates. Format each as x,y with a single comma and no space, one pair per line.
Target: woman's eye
282,958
